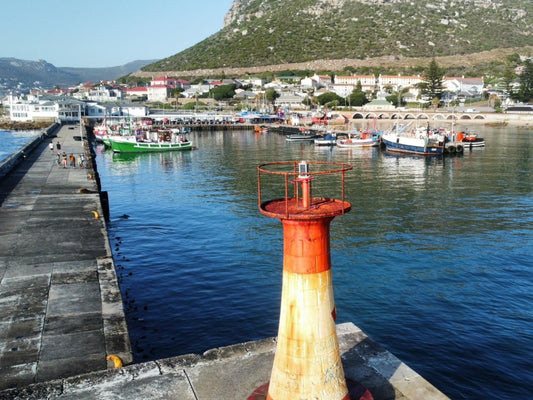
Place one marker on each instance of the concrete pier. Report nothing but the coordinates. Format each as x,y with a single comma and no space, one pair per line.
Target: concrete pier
61,310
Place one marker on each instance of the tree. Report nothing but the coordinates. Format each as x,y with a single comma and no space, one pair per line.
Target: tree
433,81
329,97
271,95
224,92
508,78
357,99
526,83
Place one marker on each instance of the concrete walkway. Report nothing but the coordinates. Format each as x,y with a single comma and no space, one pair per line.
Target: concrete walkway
60,306
235,373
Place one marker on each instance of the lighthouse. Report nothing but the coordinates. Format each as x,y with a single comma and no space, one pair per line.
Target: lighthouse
307,362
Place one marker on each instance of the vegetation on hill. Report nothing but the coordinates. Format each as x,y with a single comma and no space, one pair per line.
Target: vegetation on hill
270,32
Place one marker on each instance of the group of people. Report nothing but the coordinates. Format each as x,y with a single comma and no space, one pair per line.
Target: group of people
64,161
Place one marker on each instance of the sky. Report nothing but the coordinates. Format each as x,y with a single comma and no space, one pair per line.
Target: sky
105,33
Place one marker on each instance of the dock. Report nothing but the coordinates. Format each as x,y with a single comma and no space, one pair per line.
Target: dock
61,309
62,312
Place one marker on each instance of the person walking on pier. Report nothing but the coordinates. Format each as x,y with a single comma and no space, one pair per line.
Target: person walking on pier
51,147
64,159
58,146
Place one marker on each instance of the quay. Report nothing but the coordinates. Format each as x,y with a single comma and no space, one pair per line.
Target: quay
62,311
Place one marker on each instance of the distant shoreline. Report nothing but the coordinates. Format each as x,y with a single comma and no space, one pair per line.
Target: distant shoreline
524,121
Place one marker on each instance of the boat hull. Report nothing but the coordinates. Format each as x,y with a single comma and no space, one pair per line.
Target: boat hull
351,143
398,144
475,143
301,138
119,146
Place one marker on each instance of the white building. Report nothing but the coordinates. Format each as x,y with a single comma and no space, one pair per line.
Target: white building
397,82
104,93
473,87
368,82
158,93
45,109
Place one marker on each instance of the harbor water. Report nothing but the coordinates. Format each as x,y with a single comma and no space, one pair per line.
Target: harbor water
11,141
434,261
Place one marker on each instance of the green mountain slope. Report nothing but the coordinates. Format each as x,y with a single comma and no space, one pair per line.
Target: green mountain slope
271,32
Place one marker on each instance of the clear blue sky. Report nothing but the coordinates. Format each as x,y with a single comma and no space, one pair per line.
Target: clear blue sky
105,33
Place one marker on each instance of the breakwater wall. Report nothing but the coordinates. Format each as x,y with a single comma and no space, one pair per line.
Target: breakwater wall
7,165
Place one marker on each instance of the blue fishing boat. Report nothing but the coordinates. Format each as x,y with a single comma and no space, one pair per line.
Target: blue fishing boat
420,141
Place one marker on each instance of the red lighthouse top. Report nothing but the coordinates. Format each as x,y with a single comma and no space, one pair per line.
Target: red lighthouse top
299,179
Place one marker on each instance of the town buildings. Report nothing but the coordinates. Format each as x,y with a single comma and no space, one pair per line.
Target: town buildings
110,99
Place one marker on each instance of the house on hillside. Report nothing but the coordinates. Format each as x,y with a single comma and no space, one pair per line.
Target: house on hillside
397,82
309,83
464,87
139,92
368,82
155,93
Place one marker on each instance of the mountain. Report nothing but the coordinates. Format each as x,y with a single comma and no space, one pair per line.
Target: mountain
16,74
272,32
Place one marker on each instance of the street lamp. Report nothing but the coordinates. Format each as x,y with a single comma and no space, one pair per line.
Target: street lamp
79,121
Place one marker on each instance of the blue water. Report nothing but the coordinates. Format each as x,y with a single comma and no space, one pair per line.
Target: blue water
11,141
434,261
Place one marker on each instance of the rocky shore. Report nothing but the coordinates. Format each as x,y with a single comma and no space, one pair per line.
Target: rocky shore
8,125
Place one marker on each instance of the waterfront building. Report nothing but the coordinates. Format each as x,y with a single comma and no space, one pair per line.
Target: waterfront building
46,108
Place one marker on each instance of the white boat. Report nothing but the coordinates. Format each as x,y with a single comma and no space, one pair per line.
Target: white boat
419,141
470,140
361,139
328,139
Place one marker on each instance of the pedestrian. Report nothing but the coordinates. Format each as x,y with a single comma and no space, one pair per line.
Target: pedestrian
51,146
64,160
72,160
83,161
58,159
58,146
80,163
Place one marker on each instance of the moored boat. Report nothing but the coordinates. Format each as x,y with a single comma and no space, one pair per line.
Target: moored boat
328,139
470,140
361,139
419,141
303,136
261,129
163,141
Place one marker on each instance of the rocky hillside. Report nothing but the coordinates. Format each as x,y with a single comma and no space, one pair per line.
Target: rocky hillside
284,32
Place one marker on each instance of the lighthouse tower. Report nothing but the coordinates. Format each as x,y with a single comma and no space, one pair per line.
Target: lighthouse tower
307,363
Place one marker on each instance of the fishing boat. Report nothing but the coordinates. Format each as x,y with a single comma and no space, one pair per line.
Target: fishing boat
303,136
329,139
470,140
261,129
420,141
102,131
152,141
361,139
